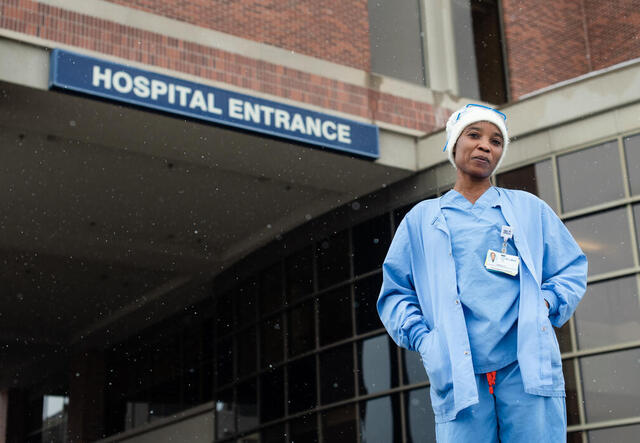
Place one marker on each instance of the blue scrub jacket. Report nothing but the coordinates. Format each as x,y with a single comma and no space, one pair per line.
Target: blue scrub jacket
420,307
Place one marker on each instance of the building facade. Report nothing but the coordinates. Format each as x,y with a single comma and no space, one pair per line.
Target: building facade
198,197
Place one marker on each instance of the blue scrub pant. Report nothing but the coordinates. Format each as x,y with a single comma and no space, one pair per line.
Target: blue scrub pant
507,416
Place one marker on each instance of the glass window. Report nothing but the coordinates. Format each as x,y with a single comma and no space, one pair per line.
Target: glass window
395,38
632,152
271,395
413,369
274,434
421,425
399,213
225,414
247,351
618,434
339,424
272,296
336,374
304,429
333,259
575,437
271,337
378,364
604,238
299,274
563,335
536,179
478,47
611,388
371,240
366,298
571,389
302,328
247,404
224,362
380,420
609,313
224,314
334,309
302,384
246,302
590,176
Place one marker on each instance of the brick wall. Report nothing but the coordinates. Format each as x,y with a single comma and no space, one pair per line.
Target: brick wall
548,42
96,34
334,30
613,30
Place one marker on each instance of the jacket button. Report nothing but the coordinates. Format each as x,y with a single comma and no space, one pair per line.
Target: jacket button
457,302
466,352
544,328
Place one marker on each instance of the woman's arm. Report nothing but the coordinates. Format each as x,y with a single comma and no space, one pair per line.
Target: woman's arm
564,268
398,304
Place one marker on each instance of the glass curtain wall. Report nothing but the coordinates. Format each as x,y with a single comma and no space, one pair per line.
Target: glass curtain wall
595,190
301,354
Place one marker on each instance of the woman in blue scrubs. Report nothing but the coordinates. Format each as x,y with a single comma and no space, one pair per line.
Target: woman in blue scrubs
474,282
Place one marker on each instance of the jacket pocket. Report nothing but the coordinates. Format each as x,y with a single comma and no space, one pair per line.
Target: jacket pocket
435,359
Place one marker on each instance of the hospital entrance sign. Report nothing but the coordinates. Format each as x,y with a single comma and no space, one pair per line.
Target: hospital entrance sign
122,83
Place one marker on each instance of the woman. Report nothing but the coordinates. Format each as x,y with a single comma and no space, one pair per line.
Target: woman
474,281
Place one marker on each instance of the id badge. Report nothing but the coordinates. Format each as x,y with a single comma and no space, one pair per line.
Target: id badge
502,262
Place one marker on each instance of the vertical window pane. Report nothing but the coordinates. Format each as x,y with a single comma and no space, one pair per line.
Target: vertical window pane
302,384
619,434
632,152
395,38
366,297
476,26
336,374
247,352
604,238
536,179
378,365
304,429
333,259
371,240
611,388
609,313
399,213
335,315
271,395
224,314
421,425
246,302
590,176
571,388
380,420
299,274
274,434
271,338
224,362
413,368
247,404
339,424
225,414
302,328
272,296
563,335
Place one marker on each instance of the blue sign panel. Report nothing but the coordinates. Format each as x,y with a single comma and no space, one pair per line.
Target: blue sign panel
123,83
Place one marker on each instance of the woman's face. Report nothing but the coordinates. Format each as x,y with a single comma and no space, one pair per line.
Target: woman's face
478,150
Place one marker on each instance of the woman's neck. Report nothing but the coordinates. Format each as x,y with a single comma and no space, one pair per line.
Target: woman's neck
470,189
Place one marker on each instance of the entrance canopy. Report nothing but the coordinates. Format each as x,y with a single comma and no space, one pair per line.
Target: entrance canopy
111,214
